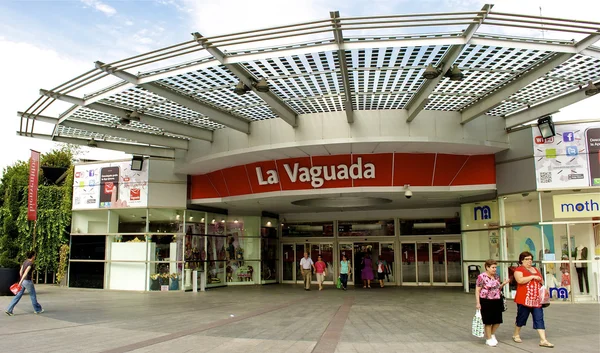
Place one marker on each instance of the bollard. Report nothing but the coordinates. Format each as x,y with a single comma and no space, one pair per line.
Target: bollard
202,281
195,281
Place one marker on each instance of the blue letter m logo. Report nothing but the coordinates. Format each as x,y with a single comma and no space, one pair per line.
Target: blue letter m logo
484,212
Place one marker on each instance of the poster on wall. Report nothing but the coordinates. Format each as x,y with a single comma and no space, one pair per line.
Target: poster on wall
569,159
109,185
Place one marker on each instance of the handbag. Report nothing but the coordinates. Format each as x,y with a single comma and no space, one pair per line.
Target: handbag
338,283
477,326
15,288
544,297
504,306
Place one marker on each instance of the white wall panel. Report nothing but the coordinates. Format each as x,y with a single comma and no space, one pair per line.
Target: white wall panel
387,129
335,125
393,123
424,127
281,132
366,124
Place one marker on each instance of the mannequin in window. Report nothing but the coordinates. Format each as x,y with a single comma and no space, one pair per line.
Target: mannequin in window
581,254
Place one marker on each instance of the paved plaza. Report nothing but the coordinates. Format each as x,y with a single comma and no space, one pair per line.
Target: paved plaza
277,318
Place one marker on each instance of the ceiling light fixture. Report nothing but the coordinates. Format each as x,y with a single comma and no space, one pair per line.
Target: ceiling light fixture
262,86
454,74
591,89
546,126
431,72
241,89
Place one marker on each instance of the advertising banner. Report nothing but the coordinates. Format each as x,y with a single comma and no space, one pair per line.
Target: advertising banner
570,159
110,185
34,172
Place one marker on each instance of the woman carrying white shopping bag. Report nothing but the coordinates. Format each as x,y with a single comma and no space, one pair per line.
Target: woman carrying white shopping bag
488,299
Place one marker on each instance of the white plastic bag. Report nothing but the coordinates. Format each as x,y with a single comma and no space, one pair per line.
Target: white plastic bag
477,327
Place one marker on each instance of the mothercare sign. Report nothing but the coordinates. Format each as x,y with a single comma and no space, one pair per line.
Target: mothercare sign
577,205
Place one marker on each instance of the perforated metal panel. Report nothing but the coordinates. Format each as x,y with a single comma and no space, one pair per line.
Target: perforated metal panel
384,71
77,133
141,100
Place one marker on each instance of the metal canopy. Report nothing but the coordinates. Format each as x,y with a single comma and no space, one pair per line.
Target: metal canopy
335,64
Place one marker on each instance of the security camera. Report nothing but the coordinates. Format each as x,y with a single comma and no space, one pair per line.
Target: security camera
407,192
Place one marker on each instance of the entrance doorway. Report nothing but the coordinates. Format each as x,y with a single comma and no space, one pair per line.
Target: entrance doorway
433,262
377,251
293,253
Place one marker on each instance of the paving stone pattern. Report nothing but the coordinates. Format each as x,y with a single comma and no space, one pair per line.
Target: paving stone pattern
278,318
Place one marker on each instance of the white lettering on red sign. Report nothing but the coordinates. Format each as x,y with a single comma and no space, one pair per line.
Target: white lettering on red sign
539,140
317,175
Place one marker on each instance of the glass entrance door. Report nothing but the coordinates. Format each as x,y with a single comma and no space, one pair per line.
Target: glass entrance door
347,250
288,257
431,263
409,267
424,263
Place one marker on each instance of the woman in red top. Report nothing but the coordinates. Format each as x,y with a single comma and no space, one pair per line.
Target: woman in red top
321,269
529,280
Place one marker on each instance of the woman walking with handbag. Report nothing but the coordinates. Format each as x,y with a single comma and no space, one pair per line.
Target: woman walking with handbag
488,300
25,273
528,299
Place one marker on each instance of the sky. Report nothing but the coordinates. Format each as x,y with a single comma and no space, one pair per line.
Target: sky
45,43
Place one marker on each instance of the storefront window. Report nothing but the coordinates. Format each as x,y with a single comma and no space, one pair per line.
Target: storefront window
87,274
165,221
307,229
90,222
479,215
129,220
366,228
521,208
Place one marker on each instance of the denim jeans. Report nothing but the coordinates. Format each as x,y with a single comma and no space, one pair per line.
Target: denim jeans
344,279
31,289
523,314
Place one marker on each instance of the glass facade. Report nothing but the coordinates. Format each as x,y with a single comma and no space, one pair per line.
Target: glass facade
162,249
565,250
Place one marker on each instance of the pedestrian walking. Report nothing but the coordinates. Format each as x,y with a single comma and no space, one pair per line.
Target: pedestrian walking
528,299
345,271
488,300
306,265
382,269
367,271
321,270
26,283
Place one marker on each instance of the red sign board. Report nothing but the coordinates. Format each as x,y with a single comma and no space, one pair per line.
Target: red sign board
34,169
346,171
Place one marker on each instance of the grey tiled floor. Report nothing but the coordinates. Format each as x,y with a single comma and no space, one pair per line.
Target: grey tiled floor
278,318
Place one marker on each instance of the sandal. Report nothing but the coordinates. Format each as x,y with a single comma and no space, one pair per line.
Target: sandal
546,344
517,339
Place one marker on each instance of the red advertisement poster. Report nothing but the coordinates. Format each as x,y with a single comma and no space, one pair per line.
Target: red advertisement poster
34,168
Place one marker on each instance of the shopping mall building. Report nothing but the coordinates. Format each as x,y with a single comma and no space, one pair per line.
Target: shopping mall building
342,136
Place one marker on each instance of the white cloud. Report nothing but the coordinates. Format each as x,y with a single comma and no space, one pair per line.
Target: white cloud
100,6
24,72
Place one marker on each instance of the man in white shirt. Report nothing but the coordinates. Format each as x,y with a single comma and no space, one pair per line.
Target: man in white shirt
306,265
